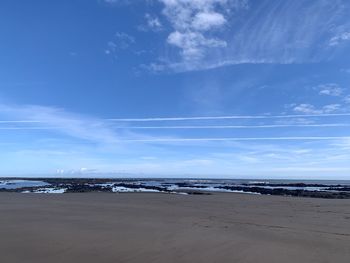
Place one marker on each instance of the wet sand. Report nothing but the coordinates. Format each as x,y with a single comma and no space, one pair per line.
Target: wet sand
102,227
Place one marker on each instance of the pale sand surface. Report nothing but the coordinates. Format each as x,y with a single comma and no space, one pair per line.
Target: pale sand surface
172,228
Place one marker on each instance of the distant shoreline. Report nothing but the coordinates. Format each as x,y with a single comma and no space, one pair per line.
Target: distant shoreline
316,189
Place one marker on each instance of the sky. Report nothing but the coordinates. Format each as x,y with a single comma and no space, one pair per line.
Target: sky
175,88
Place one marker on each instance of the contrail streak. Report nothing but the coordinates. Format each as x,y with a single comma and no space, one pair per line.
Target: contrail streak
28,128
313,138
235,126
229,117
20,121
198,127
200,118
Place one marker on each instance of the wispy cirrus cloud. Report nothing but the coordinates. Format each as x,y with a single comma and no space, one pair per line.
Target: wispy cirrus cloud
307,108
116,2
152,23
121,41
339,38
207,34
215,33
104,157
347,99
330,89
335,90
104,131
74,125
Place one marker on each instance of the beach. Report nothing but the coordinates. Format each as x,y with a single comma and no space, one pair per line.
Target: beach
157,227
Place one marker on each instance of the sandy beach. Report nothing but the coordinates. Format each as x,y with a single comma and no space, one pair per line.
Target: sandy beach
147,227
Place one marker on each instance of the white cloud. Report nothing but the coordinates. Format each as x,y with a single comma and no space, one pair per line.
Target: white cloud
208,20
154,67
184,14
339,38
331,108
261,32
193,23
152,23
121,41
347,99
114,2
207,34
311,109
330,89
306,108
334,90
193,44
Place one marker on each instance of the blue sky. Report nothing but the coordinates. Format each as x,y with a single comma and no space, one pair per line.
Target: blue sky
183,88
